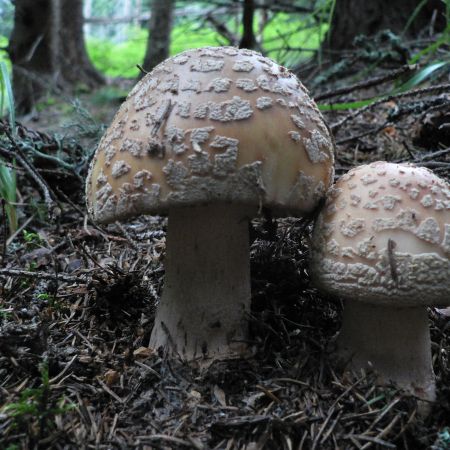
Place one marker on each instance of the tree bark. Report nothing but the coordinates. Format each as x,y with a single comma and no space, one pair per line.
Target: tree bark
29,46
354,17
74,61
47,48
158,44
248,36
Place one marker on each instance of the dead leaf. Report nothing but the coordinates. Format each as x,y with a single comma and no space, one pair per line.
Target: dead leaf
220,395
143,352
111,377
443,311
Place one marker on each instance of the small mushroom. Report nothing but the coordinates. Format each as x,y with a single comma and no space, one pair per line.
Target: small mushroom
382,243
209,137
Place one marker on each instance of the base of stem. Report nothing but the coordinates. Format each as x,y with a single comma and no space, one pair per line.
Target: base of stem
395,342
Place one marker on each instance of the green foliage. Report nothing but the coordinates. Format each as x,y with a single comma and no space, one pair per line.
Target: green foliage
51,300
5,314
4,59
289,39
13,447
347,105
6,94
193,34
8,183
427,58
34,404
119,59
282,39
8,193
107,94
428,52
32,240
7,17
431,50
423,75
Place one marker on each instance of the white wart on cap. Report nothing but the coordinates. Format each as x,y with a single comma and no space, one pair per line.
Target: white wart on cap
382,242
208,137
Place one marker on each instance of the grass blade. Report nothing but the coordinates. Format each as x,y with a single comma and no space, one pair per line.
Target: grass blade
422,75
9,94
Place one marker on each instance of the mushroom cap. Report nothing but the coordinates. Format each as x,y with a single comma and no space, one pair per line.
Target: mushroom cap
384,237
212,124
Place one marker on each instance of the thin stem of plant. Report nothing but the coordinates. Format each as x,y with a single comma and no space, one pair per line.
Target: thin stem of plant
412,93
367,83
21,158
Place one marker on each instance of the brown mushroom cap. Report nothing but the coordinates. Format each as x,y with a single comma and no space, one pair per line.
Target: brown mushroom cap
212,124
384,236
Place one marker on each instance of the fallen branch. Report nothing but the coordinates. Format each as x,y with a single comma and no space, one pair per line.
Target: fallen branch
51,204
367,83
43,275
414,92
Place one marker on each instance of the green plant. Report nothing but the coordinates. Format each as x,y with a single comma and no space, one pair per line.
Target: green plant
12,447
282,37
5,314
6,94
8,185
8,188
32,240
119,59
51,300
36,404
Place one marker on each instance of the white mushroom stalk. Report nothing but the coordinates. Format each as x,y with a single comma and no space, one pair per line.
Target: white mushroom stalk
394,341
382,243
220,130
206,300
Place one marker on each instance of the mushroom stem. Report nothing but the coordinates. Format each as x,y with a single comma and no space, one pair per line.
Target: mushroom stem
202,313
394,341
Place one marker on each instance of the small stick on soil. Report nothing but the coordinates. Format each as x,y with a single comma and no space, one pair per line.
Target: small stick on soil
21,158
128,236
44,275
4,220
365,133
367,83
19,230
83,213
412,93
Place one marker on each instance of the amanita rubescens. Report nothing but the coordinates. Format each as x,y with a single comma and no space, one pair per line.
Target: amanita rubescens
382,243
209,137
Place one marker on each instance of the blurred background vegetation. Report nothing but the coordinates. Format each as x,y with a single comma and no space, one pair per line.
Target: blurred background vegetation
116,31
102,40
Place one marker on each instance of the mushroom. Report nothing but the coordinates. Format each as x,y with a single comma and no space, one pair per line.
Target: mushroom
209,137
382,243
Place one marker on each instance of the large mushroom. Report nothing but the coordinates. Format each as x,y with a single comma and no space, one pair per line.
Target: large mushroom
382,243
209,137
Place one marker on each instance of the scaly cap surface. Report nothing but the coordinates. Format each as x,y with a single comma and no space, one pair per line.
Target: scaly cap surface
384,236
212,124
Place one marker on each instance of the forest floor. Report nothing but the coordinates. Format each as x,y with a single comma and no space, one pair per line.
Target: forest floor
75,367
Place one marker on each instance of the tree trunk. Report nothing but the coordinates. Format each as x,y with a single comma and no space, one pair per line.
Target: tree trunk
354,17
30,46
47,48
158,44
74,61
248,36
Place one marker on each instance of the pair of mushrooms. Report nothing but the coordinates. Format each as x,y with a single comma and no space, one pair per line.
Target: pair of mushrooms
212,135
